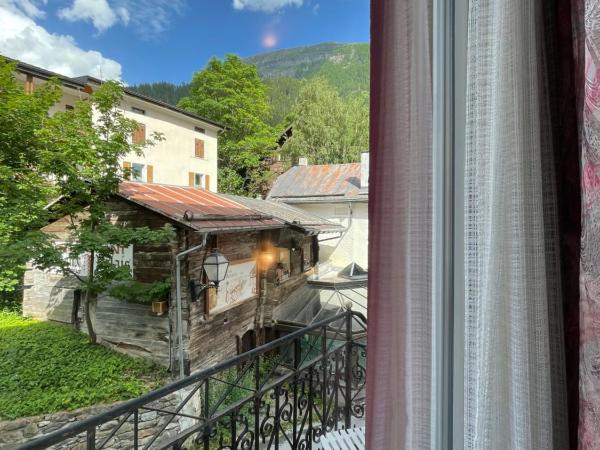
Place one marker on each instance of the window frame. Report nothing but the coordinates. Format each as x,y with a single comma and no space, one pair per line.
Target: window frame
202,180
450,26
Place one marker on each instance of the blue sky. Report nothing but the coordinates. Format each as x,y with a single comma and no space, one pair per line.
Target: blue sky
152,40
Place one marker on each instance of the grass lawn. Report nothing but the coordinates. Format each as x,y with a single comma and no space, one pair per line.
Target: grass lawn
47,367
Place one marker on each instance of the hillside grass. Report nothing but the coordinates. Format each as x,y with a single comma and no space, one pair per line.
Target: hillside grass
47,367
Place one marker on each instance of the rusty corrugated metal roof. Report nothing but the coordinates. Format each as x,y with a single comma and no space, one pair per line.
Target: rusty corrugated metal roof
196,208
289,214
329,182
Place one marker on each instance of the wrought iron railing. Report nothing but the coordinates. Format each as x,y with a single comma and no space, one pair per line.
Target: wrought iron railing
283,395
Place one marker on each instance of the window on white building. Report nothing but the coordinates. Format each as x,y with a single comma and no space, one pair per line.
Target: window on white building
139,172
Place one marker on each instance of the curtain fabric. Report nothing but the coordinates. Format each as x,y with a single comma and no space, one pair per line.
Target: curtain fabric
587,51
515,393
399,332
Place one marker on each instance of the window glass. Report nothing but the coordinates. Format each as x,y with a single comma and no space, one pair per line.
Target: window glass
282,270
138,172
199,180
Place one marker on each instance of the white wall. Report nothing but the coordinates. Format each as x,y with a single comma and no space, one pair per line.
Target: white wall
354,244
173,158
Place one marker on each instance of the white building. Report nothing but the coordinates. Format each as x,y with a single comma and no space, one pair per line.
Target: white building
186,157
337,192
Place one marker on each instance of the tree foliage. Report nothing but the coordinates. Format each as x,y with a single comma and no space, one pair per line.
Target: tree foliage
328,129
231,92
74,158
23,188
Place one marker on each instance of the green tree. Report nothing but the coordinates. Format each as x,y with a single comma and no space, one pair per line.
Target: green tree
327,129
24,190
75,157
231,92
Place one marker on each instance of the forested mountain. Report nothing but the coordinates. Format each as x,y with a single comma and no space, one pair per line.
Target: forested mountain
344,66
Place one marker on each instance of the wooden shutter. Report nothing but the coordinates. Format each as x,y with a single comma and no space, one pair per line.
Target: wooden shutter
149,173
29,84
199,149
127,167
207,182
192,178
139,135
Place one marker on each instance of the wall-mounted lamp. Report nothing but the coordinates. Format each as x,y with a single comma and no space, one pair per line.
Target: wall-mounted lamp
215,267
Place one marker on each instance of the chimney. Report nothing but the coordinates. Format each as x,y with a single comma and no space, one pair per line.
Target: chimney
364,170
303,161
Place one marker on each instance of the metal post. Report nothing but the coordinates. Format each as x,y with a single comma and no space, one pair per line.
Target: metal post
91,438
206,434
348,372
179,320
256,402
324,386
178,301
297,356
135,429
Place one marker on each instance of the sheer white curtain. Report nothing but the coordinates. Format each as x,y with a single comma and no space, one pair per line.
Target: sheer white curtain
514,382
399,331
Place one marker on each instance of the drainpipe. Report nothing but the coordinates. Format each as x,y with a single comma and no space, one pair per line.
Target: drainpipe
179,319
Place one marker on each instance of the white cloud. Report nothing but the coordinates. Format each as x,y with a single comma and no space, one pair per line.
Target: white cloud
151,17
265,5
98,12
21,38
148,17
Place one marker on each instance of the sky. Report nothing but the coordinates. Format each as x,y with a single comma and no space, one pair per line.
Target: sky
139,41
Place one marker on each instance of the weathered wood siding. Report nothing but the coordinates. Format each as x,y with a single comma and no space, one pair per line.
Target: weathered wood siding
131,328
48,296
214,337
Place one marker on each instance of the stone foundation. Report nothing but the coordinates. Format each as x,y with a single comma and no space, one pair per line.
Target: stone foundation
15,432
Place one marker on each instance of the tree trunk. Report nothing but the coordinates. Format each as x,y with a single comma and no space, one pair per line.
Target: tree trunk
89,300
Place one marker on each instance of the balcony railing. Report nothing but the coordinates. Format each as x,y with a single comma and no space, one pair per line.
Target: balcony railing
283,395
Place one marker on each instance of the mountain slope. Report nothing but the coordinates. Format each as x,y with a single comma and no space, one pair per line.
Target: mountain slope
344,66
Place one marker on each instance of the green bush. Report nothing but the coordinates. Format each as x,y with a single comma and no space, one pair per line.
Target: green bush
143,293
46,367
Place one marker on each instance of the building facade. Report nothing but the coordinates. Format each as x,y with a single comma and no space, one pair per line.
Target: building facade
186,157
338,193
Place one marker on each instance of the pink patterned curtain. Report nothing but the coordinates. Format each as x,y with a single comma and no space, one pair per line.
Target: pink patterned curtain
587,50
399,331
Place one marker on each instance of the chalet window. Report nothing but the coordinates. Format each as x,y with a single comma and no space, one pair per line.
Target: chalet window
307,260
283,268
200,130
139,135
138,110
199,148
